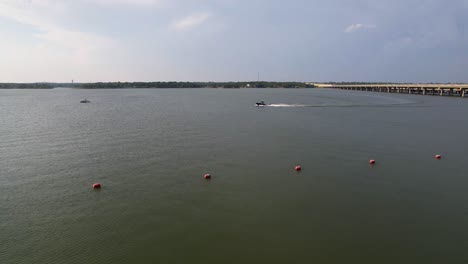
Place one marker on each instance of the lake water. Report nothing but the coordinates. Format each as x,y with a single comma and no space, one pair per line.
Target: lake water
150,147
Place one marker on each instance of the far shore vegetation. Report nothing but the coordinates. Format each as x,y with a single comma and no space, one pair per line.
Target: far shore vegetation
136,85
127,85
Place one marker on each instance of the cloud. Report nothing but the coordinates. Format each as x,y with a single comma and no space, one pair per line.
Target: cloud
356,27
190,22
77,46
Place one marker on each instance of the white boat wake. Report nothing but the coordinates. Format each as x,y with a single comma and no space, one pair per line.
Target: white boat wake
287,105
333,105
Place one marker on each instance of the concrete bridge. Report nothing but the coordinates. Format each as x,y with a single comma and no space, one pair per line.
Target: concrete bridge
460,90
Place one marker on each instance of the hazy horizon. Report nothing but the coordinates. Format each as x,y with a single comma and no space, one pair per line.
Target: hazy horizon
240,81
225,40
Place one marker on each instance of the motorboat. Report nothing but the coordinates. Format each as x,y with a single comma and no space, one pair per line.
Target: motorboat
85,101
260,103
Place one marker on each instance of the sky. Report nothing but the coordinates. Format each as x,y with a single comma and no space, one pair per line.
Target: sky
234,40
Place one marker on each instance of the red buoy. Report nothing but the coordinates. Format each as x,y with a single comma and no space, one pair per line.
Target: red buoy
207,176
297,168
438,156
372,162
96,186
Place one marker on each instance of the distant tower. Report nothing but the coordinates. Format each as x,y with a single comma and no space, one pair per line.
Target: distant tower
258,76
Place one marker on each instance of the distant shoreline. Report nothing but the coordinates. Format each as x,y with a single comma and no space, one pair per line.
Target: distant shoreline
117,88
192,85
157,85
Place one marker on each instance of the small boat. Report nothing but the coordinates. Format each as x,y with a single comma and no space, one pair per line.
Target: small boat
260,103
85,101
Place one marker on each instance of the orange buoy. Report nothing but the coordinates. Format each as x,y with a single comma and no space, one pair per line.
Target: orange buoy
372,162
96,186
438,156
207,176
297,168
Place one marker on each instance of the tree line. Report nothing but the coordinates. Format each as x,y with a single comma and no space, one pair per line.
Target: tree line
117,85
104,85
28,85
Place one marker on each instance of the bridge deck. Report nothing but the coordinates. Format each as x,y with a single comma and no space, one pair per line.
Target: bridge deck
426,89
